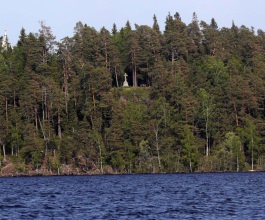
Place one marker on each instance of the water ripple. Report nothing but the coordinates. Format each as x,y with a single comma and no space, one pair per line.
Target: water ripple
182,196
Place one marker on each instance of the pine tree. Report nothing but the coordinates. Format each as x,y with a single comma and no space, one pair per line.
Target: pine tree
156,27
195,35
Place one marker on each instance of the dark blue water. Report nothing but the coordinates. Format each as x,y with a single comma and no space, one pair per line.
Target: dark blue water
181,196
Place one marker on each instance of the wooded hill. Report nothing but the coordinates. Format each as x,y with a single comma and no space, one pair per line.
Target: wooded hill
195,102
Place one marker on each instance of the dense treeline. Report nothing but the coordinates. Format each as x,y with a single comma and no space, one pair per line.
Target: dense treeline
195,102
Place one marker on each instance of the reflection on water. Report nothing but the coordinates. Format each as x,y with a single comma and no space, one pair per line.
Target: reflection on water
180,196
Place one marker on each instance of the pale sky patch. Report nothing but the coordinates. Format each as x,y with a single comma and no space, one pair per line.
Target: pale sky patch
62,15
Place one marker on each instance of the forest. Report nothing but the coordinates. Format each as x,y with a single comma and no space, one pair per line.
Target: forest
195,100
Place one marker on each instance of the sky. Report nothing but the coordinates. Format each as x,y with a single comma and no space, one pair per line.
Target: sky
62,15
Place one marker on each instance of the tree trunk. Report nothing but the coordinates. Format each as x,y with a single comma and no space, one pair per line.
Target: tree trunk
100,155
237,163
42,129
59,124
135,75
36,118
66,94
252,159
157,145
45,104
93,98
6,112
116,76
206,132
236,115
190,165
4,153
134,70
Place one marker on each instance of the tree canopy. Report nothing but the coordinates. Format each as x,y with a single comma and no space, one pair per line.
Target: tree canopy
195,101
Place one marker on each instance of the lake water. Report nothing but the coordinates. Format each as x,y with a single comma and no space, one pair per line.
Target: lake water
179,196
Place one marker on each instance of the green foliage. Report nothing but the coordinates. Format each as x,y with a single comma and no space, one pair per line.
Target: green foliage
190,152
234,148
195,101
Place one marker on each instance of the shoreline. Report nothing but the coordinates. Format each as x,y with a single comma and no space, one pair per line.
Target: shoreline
118,174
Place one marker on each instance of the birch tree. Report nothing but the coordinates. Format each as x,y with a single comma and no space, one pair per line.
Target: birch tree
207,107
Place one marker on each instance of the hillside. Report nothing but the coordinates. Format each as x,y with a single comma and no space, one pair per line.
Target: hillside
195,100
